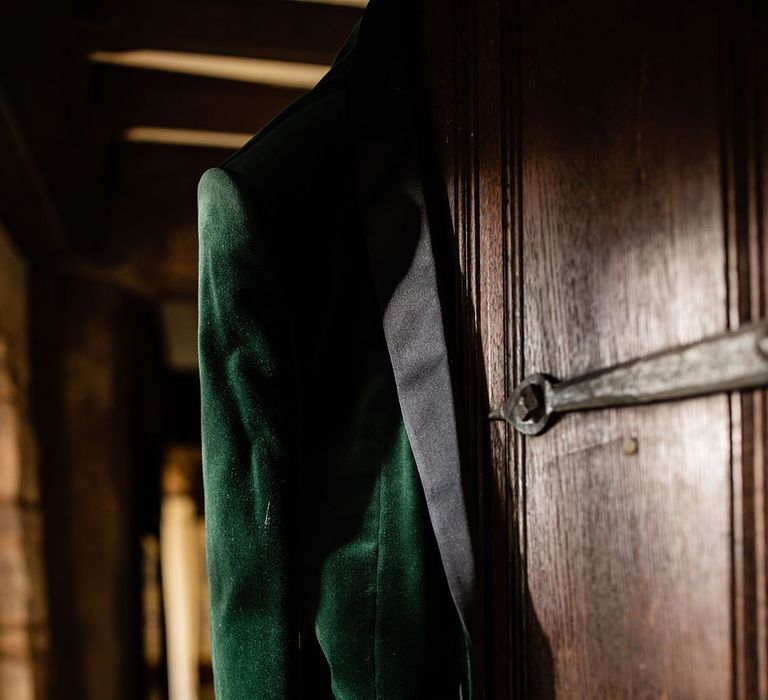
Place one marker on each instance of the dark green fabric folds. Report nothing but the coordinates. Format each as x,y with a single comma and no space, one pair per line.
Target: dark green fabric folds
244,451
325,580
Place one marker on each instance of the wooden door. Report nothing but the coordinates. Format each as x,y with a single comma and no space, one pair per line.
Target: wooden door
604,165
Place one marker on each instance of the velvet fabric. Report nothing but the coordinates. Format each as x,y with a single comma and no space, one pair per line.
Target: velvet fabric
326,580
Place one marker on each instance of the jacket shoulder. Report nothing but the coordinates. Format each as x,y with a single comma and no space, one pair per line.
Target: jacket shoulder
300,161
221,207
296,148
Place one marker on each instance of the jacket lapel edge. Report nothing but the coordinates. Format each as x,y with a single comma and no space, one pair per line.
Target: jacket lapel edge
394,216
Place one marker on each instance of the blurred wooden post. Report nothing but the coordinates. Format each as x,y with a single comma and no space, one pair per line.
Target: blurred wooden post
179,554
86,375
23,613
152,601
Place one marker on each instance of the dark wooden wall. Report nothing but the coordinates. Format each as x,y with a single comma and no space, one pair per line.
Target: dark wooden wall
604,165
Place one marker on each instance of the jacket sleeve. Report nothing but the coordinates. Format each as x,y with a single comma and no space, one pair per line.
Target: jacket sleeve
244,351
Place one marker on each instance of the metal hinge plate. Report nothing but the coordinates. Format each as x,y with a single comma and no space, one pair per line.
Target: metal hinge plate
726,362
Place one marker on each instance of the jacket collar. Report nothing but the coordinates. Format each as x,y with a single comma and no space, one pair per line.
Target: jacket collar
394,214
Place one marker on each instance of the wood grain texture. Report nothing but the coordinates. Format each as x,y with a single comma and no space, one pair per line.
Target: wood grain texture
475,144
629,562
604,166
744,125
125,97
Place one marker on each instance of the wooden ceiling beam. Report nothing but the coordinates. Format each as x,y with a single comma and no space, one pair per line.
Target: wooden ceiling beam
126,98
274,29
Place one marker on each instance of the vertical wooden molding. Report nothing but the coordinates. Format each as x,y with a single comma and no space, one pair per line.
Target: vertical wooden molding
743,191
511,119
760,59
486,216
466,213
474,112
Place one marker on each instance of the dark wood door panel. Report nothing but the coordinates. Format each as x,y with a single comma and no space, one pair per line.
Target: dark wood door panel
628,563
604,165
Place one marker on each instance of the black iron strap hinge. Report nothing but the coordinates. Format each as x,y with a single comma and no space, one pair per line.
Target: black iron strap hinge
727,362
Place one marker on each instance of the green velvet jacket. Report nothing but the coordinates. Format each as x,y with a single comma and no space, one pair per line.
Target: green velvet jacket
339,558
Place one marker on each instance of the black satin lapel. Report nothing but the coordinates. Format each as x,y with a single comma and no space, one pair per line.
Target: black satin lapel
393,211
